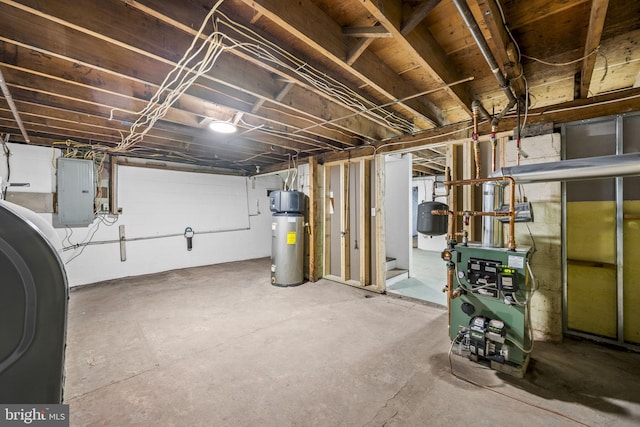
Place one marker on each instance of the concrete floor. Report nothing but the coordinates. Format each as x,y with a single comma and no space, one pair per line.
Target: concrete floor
218,345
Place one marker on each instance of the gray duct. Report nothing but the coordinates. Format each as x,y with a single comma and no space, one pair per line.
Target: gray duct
492,200
575,169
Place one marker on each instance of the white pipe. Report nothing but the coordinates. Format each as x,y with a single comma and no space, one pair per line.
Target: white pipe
574,170
14,110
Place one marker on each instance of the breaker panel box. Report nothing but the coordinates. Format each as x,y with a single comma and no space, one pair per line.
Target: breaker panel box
76,192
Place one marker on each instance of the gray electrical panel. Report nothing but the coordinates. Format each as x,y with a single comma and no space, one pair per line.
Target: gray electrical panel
76,192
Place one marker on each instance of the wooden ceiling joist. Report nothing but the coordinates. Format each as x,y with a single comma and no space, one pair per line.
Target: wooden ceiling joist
504,49
328,78
425,47
418,15
374,32
425,169
325,36
594,33
230,71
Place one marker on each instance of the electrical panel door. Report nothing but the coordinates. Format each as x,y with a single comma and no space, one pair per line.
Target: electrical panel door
76,192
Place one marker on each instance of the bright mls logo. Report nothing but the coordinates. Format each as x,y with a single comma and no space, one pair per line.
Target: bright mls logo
34,415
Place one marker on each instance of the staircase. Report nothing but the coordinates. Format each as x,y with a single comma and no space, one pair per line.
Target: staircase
394,274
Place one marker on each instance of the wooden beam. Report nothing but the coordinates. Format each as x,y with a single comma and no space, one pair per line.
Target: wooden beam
624,101
328,206
315,219
429,53
149,63
380,258
418,15
377,32
345,226
594,33
503,47
425,169
357,49
530,12
325,36
187,19
364,223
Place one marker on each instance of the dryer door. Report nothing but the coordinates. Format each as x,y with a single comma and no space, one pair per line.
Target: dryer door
33,310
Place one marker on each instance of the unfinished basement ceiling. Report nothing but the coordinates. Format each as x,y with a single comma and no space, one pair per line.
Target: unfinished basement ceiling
298,78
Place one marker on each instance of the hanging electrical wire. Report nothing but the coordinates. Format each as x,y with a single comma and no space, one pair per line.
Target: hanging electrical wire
203,53
264,49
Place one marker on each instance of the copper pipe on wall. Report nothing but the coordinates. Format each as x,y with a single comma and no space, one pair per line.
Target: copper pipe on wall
476,145
494,143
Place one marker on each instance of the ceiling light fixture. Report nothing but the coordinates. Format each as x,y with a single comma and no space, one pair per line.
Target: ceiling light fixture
221,126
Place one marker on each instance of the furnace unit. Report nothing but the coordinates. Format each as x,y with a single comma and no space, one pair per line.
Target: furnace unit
287,238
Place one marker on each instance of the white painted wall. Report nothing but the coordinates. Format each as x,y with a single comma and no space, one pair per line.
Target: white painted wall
159,202
425,194
397,205
32,165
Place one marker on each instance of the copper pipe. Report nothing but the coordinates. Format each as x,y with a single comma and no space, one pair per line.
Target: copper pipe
476,213
494,144
476,145
512,203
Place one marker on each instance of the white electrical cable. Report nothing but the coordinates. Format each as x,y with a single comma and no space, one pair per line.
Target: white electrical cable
269,51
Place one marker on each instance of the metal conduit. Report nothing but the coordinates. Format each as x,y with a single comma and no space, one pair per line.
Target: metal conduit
12,105
471,23
574,170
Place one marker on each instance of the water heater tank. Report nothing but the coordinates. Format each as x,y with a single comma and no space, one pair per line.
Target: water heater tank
287,249
430,224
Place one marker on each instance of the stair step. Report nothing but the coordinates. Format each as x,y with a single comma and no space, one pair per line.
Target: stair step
396,275
391,264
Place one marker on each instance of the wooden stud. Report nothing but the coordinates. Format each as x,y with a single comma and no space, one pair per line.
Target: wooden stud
327,220
380,256
345,229
314,219
365,221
